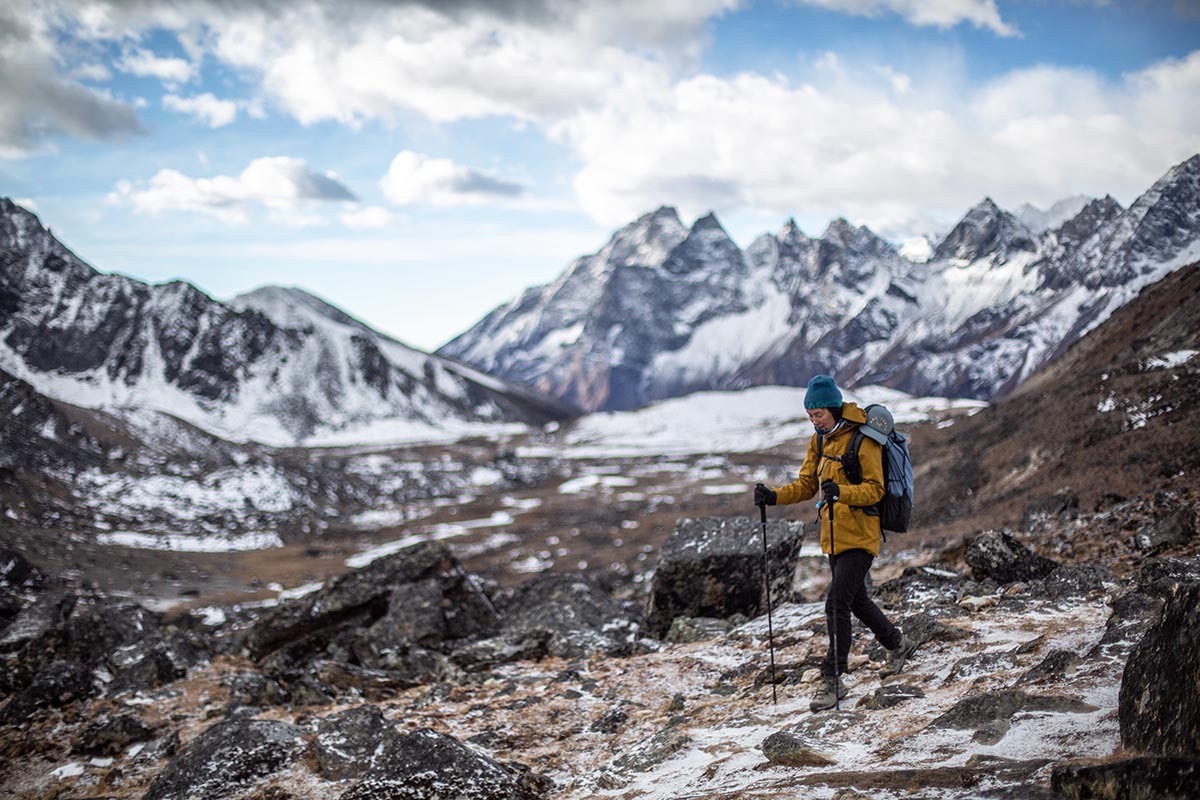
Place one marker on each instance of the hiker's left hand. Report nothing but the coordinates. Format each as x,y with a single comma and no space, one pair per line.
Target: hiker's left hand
830,490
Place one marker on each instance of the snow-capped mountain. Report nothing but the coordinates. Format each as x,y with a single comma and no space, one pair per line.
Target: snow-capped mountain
662,310
276,366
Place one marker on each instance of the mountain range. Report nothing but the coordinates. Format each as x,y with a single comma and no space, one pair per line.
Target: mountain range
276,365
663,309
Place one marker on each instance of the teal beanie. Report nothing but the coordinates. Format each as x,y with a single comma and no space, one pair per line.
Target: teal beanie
822,393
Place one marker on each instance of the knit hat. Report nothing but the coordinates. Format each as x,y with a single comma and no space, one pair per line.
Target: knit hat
822,393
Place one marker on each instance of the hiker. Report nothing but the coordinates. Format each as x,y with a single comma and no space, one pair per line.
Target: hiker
856,533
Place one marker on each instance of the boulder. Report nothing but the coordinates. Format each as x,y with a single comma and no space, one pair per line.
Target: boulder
350,742
361,594
713,567
111,735
425,764
571,614
36,621
1159,703
997,555
227,759
17,572
151,663
685,630
59,684
1075,580
416,598
1167,531
96,628
980,710
1160,576
789,750
1159,777
921,587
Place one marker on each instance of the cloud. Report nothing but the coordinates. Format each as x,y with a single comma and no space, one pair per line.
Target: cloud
146,64
925,13
850,143
280,184
37,104
368,217
414,178
204,107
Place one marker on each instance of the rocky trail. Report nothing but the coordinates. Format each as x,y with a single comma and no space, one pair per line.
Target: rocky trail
1037,676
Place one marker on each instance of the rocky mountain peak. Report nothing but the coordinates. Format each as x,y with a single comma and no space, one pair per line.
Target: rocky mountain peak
985,230
21,230
790,230
294,307
646,241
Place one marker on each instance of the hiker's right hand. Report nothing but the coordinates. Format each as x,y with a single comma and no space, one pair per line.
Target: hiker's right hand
764,496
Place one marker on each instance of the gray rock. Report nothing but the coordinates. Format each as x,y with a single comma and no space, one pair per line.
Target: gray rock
788,750
424,765
350,742
414,616
1158,777
1159,702
651,751
697,629
892,694
59,684
979,710
1159,576
487,653
1074,580
254,689
922,587
37,620
713,567
17,572
1176,528
111,735
999,556
363,594
991,732
924,628
573,615
149,664
227,759
1054,665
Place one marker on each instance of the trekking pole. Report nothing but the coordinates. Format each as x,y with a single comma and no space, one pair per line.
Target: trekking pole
762,510
837,703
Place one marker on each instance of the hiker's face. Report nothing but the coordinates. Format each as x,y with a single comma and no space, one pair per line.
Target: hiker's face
821,418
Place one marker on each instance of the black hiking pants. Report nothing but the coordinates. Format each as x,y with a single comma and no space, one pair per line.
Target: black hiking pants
848,594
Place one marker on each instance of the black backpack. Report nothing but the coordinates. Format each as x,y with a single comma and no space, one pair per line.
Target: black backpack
895,509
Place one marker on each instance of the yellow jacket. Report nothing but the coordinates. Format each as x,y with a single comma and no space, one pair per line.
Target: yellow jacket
855,528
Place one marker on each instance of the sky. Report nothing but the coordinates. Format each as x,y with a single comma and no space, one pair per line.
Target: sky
419,163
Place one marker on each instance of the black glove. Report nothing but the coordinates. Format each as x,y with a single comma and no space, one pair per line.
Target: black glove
764,496
830,490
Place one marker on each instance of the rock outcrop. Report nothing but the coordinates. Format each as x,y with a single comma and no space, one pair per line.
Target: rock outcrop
714,568
1160,690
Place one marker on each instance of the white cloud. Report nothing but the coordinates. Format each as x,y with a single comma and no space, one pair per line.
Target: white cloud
857,147
925,13
37,104
287,187
205,107
415,178
368,217
145,64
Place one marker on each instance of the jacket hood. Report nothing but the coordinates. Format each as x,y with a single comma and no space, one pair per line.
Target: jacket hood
852,413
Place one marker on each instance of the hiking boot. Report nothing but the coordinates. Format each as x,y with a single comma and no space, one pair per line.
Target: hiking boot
897,657
832,689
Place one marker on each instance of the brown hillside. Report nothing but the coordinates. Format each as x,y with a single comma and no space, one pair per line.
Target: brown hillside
1106,421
